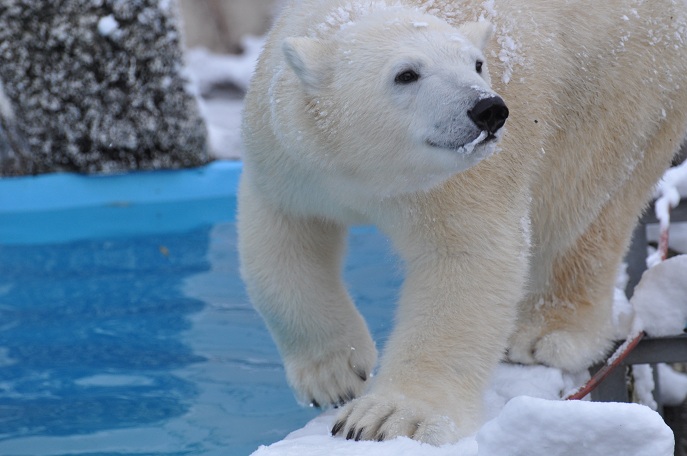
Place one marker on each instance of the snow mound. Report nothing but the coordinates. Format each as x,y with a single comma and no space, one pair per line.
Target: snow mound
534,427
525,426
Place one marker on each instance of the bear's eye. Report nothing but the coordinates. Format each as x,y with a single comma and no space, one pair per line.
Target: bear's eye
406,77
478,66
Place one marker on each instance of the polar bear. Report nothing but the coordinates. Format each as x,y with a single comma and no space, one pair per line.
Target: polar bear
506,148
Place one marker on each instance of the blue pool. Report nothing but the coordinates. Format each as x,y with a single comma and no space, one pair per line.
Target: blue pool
124,326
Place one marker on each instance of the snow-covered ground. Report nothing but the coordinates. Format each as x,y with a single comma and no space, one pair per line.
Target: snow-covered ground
524,411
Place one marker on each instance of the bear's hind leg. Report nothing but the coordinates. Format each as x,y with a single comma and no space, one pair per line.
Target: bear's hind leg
568,322
292,269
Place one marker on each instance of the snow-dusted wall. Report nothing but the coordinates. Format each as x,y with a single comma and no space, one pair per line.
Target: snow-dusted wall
97,86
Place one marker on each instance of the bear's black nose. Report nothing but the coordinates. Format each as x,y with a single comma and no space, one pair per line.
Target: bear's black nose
489,114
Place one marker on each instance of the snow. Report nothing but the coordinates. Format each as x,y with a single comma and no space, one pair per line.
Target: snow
672,385
673,184
107,25
525,426
669,190
531,426
660,298
207,69
223,121
219,81
644,385
468,148
509,54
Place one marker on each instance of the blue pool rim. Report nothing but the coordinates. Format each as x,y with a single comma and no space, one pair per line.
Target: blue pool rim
64,207
58,191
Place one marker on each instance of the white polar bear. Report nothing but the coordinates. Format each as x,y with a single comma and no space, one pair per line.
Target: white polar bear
384,112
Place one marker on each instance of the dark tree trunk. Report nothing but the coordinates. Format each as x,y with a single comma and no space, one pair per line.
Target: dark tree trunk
95,86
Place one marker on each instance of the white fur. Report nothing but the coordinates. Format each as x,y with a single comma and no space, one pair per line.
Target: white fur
597,108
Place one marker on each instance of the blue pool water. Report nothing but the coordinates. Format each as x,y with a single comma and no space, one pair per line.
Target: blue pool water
124,326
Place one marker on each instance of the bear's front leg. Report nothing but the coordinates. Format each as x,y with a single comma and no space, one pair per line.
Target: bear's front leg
456,312
292,270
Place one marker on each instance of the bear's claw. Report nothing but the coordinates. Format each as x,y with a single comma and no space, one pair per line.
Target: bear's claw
335,375
378,417
362,374
337,427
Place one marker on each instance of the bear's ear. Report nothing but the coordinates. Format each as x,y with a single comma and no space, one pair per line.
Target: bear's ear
308,59
479,33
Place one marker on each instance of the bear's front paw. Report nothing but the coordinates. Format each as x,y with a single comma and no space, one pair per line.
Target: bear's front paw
333,376
383,417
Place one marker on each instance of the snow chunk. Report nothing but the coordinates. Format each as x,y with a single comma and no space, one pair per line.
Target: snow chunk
512,380
672,385
644,385
660,298
674,178
469,147
537,427
107,25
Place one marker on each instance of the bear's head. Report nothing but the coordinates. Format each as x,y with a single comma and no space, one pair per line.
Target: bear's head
401,100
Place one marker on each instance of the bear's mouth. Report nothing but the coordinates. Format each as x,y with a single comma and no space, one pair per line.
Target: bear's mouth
484,137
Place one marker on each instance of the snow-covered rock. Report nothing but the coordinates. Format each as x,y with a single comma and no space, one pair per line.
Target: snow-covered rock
97,86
